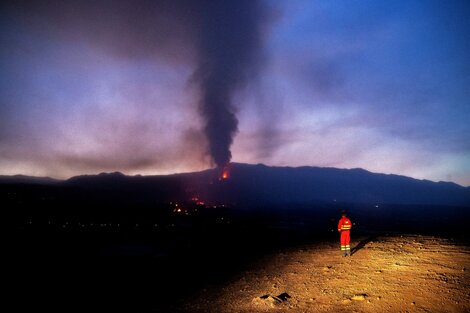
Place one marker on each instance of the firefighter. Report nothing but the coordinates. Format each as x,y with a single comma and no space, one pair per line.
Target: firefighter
344,227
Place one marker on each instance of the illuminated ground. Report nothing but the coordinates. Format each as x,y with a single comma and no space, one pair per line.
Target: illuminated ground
384,274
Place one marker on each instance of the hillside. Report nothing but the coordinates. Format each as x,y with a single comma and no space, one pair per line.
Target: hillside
263,186
385,274
274,185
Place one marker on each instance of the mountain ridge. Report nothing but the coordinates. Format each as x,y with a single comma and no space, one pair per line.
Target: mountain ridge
270,185
25,178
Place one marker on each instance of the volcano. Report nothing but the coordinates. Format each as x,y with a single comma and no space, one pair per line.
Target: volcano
267,186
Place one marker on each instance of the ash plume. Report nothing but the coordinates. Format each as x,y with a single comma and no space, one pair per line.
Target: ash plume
220,39
228,46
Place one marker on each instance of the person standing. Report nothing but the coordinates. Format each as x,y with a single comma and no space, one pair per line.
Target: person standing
344,228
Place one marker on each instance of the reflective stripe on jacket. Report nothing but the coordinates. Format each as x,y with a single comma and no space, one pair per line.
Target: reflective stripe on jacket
344,224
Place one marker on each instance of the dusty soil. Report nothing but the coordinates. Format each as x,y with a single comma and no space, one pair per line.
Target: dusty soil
403,273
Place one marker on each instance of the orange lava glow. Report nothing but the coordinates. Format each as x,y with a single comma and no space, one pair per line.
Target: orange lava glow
225,173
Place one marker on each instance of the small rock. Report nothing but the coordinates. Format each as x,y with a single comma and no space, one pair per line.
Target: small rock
266,300
284,296
359,297
271,301
346,301
413,303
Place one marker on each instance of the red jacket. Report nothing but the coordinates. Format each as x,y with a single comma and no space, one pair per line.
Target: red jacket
344,224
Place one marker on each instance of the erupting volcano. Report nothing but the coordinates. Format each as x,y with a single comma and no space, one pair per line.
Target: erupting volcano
225,172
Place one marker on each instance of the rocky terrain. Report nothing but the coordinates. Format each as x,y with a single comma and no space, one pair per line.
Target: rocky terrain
388,273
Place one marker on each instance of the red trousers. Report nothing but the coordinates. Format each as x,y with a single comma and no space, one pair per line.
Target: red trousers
345,237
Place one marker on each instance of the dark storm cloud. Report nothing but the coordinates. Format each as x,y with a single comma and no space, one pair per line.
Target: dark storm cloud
221,39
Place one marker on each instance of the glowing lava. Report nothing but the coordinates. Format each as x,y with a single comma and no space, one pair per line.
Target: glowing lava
225,174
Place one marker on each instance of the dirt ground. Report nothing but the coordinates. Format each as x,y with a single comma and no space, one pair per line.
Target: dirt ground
400,273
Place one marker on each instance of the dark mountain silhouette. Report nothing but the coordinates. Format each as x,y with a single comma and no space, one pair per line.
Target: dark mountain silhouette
23,179
260,185
312,184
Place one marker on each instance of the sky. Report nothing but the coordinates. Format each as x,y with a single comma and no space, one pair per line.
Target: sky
159,87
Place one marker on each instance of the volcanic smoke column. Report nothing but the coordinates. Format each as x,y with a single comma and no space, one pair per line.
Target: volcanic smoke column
228,44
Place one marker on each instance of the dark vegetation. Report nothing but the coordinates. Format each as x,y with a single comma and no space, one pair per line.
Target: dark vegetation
136,244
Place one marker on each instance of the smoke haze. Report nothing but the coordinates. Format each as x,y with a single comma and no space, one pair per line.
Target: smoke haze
221,40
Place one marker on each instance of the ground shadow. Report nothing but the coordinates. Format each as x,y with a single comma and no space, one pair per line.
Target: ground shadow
362,243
